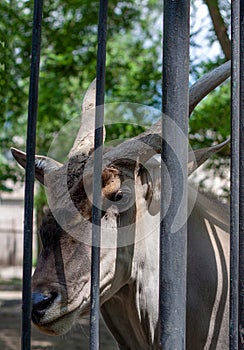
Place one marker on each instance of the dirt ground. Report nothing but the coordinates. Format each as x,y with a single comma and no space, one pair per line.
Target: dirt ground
10,328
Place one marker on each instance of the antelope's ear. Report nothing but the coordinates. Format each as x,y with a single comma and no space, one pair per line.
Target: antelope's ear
42,164
198,157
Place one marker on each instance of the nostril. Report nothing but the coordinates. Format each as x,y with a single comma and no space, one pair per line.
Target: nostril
40,303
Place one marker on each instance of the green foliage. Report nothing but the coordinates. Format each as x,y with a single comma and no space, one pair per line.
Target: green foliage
121,131
7,173
68,65
213,113
210,124
15,40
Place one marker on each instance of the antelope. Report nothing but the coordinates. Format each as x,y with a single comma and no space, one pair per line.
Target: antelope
129,263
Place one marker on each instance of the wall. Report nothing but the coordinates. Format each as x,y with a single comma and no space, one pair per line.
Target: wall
11,228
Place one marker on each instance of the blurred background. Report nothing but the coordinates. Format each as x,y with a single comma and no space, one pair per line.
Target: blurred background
68,65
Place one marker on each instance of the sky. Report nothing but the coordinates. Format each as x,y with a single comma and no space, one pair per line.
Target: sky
201,23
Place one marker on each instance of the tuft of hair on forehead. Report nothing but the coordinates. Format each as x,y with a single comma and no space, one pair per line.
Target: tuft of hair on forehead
111,181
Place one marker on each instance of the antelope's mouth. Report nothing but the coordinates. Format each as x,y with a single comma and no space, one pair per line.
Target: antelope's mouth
57,326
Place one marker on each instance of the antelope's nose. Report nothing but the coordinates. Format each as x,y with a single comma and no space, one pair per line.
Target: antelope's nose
40,303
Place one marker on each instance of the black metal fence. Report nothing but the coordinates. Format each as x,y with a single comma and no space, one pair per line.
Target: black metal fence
97,176
175,104
30,174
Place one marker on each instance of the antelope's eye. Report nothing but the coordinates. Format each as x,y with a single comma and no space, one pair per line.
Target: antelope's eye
123,197
118,196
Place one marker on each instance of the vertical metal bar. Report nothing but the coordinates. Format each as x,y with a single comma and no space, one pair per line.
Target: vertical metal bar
98,157
29,175
241,184
173,246
234,199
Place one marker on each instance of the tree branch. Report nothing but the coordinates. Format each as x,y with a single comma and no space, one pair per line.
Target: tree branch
219,27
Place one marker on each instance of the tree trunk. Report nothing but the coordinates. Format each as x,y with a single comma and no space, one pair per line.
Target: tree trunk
219,27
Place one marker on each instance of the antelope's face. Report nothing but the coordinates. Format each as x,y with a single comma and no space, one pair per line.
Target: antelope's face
62,272
61,281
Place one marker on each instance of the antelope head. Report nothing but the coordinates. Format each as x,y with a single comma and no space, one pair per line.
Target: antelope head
61,281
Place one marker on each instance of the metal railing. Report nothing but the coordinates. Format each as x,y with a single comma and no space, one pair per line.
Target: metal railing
97,176
234,200
175,105
173,246
30,175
